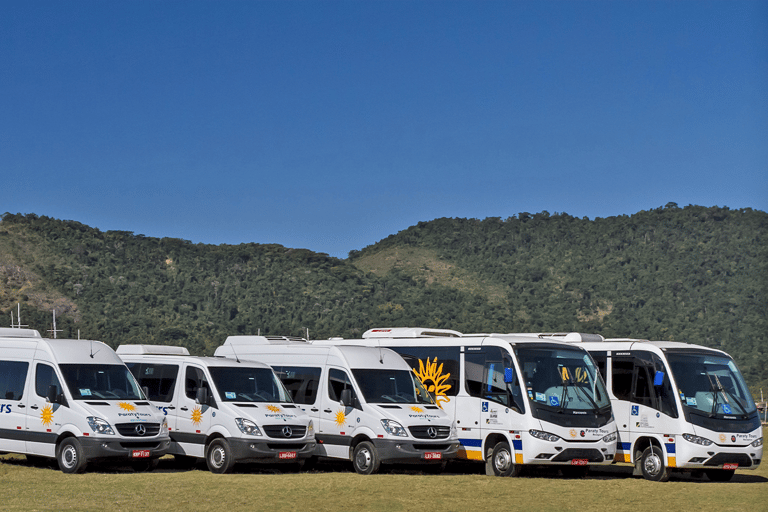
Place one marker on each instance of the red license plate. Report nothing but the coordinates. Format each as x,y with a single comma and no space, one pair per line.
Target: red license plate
287,455
730,466
140,454
433,455
579,462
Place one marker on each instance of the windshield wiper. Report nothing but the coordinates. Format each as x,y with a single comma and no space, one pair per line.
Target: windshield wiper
591,400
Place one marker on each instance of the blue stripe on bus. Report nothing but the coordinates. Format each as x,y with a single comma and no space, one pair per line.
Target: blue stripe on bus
670,448
472,442
517,444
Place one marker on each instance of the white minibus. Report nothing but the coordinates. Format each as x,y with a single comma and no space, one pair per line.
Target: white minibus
222,410
76,402
678,406
368,406
516,401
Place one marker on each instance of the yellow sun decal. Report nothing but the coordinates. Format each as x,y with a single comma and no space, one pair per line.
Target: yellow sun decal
197,415
126,406
46,415
416,409
273,408
431,375
340,418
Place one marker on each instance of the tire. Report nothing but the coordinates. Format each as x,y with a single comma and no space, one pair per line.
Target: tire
219,457
720,475
70,456
501,461
365,459
652,465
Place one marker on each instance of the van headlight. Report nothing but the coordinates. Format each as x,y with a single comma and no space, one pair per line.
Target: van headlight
757,442
164,425
311,428
703,441
544,436
610,438
393,428
247,427
100,426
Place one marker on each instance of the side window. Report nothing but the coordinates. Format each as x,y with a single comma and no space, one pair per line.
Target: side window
45,376
622,370
643,394
485,371
158,379
338,381
302,383
195,378
436,367
600,359
13,376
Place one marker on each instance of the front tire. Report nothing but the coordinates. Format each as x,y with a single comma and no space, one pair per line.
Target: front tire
501,461
720,475
652,465
219,457
365,459
70,456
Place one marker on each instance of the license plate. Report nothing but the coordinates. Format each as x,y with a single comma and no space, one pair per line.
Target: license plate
433,455
140,454
730,466
579,462
287,455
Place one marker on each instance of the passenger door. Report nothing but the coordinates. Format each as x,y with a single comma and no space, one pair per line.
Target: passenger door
43,416
13,417
335,428
193,420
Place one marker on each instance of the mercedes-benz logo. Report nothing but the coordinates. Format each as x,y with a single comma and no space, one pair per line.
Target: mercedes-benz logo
140,430
432,432
287,432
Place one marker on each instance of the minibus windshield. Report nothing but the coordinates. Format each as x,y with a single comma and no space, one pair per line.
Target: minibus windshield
710,384
102,381
391,386
237,384
561,379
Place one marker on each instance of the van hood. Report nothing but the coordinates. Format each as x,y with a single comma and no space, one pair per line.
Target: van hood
122,411
412,414
266,411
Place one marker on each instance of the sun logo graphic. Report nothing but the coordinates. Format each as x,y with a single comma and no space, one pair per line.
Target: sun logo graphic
416,409
126,406
431,376
273,408
197,415
46,415
340,418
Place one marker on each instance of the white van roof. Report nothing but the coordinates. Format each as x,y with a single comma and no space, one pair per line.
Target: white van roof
410,332
13,332
158,350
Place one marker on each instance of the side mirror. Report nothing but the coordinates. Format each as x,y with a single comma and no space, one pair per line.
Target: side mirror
658,379
52,394
509,375
201,397
346,398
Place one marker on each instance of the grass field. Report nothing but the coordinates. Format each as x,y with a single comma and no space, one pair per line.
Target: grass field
336,488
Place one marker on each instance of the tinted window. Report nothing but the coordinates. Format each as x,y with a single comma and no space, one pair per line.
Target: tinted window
103,381
338,381
194,379
302,383
246,384
45,376
158,379
485,371
13,375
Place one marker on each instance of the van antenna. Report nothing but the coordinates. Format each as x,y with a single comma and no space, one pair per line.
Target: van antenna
233,351
381,355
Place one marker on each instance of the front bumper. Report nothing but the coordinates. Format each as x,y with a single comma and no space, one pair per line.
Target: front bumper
566,452
251,450
99,448
408,451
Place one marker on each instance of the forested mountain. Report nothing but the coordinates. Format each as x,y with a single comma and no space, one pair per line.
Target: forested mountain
693,274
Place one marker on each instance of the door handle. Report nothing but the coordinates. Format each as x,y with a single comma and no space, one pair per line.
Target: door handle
21,406
34,406
314,409
328,411
171,408
184,409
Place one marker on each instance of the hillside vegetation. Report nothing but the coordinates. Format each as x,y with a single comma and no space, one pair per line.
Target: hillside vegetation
695,274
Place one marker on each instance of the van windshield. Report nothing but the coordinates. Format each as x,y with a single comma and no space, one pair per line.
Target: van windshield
100,381
388,386
237,384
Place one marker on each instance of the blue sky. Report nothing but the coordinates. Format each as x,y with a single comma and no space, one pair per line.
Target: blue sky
331,125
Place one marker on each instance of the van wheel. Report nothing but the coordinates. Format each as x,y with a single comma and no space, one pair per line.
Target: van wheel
365,459
720,475
70,456
652,465
219,456
501,461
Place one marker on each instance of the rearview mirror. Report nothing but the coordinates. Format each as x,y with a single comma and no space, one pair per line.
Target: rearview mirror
346,398
201,397
658,379
509,375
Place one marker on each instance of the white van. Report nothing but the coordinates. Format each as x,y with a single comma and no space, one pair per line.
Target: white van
75,401
369,407
679,407
222,410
